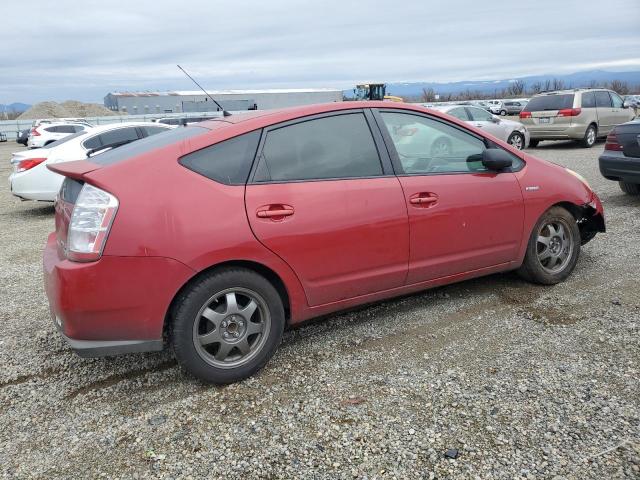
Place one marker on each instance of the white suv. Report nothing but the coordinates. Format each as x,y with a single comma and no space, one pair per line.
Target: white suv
47,133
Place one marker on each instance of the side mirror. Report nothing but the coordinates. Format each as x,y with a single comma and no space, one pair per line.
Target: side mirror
496,159
627,104
495,119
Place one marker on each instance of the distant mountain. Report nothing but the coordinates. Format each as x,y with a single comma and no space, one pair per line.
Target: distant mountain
15,107
489,87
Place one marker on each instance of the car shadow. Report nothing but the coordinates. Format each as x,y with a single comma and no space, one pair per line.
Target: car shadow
560,145
39,211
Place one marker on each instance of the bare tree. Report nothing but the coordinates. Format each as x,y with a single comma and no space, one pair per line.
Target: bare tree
620,87
516,88
557,84
536,87
428,95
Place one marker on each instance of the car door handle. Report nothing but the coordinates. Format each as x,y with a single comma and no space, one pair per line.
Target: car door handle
423,199
275,212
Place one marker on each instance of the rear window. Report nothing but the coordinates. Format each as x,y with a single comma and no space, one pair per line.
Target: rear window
145,145
550,102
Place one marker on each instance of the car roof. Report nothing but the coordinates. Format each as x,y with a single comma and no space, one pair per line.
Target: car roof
113,126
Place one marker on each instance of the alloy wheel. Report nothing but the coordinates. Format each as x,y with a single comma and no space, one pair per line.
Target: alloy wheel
231,327
517,141
554,245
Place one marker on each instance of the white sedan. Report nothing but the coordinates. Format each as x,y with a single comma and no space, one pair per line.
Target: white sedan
514,133
32,180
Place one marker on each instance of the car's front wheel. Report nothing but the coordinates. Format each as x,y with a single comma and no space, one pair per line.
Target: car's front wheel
630,188
553,248
516,139
227,325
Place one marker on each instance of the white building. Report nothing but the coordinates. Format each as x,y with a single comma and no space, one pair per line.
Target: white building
196,101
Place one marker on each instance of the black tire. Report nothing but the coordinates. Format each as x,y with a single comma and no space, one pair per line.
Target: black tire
532,269
503,113
512,140
189,307
590,136
630,188
533,143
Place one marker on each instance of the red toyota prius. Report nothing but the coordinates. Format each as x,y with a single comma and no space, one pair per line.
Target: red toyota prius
213,238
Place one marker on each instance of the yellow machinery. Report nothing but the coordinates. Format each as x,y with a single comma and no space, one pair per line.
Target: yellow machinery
374,91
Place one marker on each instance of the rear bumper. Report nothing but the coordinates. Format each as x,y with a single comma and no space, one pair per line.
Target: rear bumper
573,132
114,305
616,166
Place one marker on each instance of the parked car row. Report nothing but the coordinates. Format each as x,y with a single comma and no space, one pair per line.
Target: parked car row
32,180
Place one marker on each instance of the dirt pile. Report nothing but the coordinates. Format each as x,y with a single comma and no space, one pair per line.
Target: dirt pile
68,109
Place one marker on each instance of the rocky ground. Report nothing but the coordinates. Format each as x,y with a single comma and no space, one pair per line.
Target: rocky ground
491,378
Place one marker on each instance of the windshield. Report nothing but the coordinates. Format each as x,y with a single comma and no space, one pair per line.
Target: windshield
65,139
550,102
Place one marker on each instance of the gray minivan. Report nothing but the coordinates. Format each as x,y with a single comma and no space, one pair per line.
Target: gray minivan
581,114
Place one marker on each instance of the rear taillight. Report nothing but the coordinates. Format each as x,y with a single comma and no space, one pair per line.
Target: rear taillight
569,112
91,220
612,143
35,132
524,114
29,163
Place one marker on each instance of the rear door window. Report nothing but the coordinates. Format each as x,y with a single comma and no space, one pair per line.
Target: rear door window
588,100
339,146
119,135
153,130
603,100
550,102
479,115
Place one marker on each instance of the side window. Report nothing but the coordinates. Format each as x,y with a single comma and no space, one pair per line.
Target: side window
459,113
588,100
617,100
119,135
66,129
428,146
91,143
226,162
479,115
603,99
340,146
52,130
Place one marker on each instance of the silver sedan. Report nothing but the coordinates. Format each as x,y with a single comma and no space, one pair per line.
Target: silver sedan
509,131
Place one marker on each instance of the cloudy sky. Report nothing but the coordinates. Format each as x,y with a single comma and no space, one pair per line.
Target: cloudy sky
58,50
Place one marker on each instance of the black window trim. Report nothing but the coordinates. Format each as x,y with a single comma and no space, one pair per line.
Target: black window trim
395,159
383,154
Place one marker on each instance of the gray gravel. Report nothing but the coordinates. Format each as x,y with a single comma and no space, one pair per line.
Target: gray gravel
513,380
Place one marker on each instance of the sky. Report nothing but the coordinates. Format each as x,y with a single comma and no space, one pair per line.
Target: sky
60,50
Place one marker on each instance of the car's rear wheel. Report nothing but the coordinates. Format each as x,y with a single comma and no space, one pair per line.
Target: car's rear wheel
516,139
630,188
590,136
533,143
227,325
553,248
503,112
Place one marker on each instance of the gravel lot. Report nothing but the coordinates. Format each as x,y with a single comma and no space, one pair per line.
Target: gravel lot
521,381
